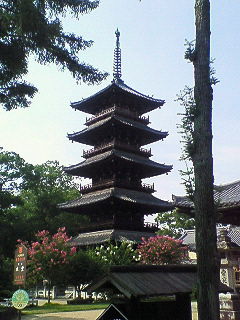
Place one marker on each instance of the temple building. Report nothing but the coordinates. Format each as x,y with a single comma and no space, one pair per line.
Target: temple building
117,131
227,199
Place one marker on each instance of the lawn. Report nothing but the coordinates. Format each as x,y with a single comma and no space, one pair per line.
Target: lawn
56,307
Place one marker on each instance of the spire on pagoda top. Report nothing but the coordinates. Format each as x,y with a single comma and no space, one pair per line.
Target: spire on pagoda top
117,74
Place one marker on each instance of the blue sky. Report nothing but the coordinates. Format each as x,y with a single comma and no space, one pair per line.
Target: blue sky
152,39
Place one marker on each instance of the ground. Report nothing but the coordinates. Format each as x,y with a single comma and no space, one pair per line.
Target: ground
82,315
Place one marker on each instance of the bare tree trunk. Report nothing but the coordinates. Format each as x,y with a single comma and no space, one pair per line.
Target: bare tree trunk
49,291
205,217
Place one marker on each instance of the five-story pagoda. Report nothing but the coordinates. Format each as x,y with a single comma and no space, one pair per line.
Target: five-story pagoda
117,199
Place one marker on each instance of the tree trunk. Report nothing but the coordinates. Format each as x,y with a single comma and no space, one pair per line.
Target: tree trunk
205,216
49,291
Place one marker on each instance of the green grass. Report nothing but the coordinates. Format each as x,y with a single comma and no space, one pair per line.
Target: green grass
56,307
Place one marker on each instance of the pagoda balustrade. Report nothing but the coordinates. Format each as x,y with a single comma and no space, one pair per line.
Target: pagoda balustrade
109,145
147,227
118,110
237,277
120,183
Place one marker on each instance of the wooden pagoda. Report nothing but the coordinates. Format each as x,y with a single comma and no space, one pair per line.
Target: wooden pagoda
117,199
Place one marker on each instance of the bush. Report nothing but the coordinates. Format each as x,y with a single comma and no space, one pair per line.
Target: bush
8,313
5,294
80,301
162,250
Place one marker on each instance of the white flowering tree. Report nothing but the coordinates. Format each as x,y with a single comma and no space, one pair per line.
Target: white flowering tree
115,254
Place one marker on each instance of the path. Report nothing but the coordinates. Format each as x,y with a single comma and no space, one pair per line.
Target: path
80,315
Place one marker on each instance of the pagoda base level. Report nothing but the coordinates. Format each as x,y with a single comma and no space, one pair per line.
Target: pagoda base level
111,235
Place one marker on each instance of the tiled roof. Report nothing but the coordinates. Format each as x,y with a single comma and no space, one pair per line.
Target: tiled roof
149,167
145,103
188,237
89,135
103,236
234,234
140,200
148,280
225,196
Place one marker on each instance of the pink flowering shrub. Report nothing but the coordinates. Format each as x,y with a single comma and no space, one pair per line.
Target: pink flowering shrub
161,250
48,255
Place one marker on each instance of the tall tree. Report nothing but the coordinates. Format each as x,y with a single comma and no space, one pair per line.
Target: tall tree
205,216
29,196
33,27
197,135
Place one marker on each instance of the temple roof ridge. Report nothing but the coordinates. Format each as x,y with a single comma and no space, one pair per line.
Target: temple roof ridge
225,194
226,185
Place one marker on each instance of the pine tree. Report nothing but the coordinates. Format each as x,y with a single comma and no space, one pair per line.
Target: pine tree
205,216
34,27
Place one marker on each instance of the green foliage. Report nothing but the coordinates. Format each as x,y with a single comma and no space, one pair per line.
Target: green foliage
190,53
29,197
83,268
32,27
6,287
162,250
43,188
28,202
187,101
173,223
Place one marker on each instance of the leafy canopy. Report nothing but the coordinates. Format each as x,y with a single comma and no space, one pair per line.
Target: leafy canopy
83,268
34,27
29,195
174,223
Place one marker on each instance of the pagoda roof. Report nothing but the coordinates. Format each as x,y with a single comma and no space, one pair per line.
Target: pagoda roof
145,166
93,202
92,134
118,90
227,199
103,236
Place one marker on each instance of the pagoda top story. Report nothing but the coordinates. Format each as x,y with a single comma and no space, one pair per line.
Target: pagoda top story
119,91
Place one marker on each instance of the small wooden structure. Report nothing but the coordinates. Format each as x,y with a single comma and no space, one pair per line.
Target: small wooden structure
152,292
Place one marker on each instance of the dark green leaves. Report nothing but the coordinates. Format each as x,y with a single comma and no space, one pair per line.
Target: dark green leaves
34,27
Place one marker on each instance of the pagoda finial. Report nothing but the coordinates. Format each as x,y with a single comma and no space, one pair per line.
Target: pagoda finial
117,59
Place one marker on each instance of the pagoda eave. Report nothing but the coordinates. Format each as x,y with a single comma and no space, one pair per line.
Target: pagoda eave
91,135
93,202
142,165
120,90
106,236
